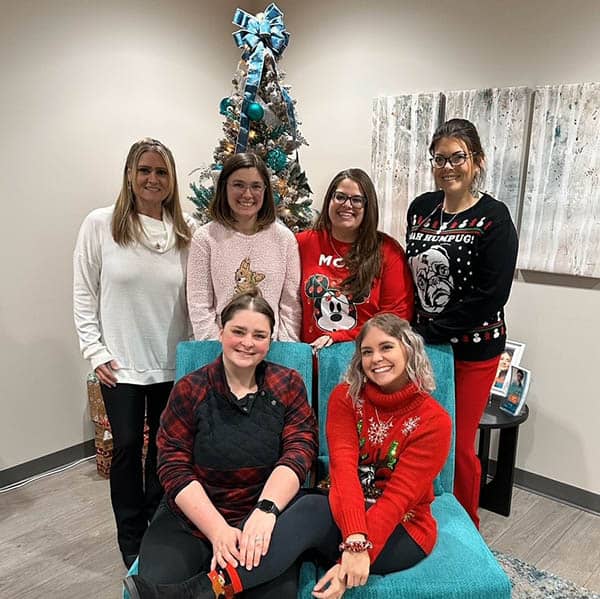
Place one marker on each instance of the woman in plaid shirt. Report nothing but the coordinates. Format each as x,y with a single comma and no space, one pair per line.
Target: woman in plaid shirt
236,441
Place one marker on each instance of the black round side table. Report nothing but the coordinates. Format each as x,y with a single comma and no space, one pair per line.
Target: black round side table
496,490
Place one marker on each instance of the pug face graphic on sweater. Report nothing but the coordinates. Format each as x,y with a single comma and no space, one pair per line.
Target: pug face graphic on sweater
431,273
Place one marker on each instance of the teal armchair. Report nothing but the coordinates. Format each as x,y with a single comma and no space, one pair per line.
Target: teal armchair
461,566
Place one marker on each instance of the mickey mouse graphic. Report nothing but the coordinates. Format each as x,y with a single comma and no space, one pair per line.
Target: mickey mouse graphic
333,309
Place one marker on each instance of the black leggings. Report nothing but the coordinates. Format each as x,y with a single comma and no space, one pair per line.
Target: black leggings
170,553
134,494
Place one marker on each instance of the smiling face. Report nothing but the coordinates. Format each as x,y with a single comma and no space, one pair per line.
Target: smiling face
245,338
455,181
383,360
346,219
505,359
245,195
150,183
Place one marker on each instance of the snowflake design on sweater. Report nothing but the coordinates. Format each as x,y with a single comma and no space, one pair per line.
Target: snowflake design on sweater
378,431
409,425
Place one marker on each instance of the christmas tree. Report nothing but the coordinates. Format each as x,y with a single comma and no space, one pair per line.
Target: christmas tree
259,118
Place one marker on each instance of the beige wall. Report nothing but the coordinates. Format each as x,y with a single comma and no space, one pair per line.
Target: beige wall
344,53
81,82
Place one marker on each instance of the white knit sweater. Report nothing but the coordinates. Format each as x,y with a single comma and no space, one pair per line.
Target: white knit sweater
223,262
129,302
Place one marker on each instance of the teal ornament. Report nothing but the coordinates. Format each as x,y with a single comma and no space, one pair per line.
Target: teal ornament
255,111
276,159
276,198
224,106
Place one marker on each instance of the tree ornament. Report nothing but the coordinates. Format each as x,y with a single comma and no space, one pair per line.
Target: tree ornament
255,111
224,106
276,159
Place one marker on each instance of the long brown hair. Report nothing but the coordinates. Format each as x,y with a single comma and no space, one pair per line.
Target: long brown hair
126,226
219,208
364,259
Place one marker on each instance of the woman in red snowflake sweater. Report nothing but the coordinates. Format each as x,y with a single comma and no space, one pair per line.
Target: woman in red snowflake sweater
401,443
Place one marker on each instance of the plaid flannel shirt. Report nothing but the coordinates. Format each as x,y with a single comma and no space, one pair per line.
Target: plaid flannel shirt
232,445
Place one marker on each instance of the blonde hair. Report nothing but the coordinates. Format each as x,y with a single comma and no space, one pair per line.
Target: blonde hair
126,227
418,367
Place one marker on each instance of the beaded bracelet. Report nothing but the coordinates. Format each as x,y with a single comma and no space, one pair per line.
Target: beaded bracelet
355,546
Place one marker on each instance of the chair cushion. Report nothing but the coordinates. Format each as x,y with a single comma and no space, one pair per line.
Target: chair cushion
460,566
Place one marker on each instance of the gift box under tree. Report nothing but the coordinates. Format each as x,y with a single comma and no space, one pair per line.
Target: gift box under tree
103,440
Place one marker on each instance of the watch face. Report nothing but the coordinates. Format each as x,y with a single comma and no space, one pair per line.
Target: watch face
268,506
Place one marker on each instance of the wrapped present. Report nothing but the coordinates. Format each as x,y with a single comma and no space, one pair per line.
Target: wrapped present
103,437
95,401
104,447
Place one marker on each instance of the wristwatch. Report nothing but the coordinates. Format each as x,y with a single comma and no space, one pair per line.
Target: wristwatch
268,506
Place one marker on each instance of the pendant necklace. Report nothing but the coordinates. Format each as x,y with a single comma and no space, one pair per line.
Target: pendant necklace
378,431
443,225
334,248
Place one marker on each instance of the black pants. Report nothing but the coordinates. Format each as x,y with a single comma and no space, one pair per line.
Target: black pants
134,494
170,553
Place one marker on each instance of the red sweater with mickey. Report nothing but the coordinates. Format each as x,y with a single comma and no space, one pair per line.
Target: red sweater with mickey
401,443
326,309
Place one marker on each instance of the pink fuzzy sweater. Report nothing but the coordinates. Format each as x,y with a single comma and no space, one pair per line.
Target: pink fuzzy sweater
223,262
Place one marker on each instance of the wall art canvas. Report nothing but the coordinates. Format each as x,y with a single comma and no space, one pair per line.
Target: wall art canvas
560,224
402,129
501,117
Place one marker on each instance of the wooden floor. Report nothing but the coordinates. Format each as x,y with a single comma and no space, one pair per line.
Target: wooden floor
550,535
57,538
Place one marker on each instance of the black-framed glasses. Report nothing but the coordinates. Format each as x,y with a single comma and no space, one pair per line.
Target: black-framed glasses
355,201
456,159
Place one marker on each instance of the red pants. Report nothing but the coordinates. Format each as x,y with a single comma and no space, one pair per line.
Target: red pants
473,384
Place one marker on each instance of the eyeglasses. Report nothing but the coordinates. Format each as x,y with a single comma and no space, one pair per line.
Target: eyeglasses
439,161
355,201
255,188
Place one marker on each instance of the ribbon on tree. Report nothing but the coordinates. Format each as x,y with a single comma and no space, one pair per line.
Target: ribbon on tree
260,36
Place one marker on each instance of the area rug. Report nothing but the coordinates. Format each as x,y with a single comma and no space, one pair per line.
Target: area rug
530,583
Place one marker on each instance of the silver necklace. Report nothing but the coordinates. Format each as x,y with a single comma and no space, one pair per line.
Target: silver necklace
378,431
335,248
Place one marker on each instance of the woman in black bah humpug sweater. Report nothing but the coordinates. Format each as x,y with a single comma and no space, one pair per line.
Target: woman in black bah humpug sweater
462,250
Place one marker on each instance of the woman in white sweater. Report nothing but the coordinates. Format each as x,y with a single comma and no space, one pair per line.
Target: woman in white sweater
130,311
244,247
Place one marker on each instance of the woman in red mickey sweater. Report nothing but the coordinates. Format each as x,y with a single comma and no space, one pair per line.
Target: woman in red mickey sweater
350,270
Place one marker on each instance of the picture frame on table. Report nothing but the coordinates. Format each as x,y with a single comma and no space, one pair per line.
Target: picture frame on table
510,356
517,390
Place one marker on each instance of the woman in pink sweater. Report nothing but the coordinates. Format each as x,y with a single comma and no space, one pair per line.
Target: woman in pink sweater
242,248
